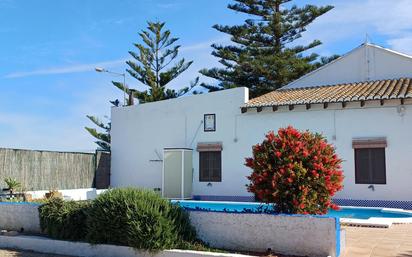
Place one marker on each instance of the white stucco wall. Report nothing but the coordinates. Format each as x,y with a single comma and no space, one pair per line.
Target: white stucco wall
367,62
285,234
139,132
18,216
71,194
340,126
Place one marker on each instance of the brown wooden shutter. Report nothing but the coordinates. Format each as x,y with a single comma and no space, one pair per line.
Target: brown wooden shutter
370,166
203,166
362,174
378,167
210,166
216,171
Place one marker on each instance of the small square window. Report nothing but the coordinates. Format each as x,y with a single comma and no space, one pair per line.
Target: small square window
210,166
370,166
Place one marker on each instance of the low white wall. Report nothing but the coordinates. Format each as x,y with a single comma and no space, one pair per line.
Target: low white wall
18,216
71,194
15,216
285,234
45,245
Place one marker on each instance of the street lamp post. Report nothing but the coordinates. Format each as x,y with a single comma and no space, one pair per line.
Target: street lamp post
99,69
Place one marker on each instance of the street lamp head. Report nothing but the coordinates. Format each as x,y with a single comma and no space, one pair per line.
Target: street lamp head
99,69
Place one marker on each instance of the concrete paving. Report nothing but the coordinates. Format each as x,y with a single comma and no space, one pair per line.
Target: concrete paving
17,253
395,241
360,242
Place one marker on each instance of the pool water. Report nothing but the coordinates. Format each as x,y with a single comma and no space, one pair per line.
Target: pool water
344,212
361,213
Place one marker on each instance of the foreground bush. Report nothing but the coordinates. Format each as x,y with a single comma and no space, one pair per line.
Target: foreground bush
138,218
297,171
64,220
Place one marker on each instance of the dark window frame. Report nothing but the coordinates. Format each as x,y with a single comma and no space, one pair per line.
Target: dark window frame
214,122
207,167
373,175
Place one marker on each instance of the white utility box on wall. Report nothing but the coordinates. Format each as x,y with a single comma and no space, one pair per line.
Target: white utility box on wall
177,174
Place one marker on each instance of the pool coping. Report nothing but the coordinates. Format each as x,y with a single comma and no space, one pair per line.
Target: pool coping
381,222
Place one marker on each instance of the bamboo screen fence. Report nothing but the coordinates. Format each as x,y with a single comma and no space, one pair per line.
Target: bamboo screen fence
45,170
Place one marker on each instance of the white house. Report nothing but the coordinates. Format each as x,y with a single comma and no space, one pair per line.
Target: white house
362,103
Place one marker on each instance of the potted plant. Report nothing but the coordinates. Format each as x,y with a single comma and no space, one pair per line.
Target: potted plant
12,185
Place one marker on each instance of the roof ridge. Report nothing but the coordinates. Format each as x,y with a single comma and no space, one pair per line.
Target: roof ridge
326,65
343,56
389,50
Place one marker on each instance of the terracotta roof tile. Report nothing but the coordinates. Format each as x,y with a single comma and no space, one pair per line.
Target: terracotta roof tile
368,90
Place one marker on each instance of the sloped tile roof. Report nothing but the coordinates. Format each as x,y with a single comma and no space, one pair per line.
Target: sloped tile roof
369,90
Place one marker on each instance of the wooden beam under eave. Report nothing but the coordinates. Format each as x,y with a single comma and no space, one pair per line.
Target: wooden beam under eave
402,101
259,109
308,106
274,108
382,102
362,103
243,109
325,105
344,104
291,107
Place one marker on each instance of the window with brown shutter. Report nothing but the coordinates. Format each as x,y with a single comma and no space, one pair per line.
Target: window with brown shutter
210,166
370,164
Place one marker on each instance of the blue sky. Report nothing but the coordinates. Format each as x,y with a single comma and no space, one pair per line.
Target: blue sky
49,50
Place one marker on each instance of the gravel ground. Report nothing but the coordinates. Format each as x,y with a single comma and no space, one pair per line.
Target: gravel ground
17,253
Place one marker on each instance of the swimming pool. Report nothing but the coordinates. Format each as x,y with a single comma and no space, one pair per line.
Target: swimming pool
359,213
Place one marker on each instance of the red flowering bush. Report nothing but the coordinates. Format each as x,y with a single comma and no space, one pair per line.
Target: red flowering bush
297,171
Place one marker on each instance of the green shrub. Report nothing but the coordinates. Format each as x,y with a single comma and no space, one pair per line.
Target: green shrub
140,219
64,219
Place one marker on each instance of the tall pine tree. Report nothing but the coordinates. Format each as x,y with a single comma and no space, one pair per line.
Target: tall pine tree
264,57
102,138
102,133
153,65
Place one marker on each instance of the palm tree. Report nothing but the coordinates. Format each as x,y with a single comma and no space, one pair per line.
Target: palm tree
12,185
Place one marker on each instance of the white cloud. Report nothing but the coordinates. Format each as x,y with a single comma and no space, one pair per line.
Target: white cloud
202,46
402,44
66,69
354,19
197,47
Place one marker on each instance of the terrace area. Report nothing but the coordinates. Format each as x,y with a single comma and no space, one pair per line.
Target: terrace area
395,241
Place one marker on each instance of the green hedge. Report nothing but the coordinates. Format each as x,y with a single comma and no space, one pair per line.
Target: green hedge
138,218
130,217
64,220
